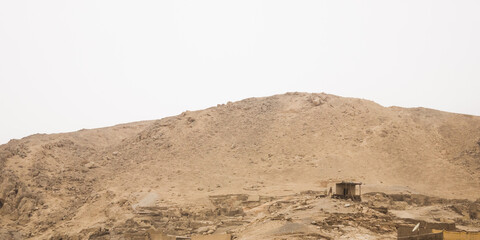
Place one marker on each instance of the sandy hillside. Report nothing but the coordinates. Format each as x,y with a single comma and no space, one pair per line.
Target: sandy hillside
96,182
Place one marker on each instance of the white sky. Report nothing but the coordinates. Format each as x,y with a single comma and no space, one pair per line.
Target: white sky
67,65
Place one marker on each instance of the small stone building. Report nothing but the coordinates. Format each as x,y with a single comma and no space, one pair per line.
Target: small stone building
348,190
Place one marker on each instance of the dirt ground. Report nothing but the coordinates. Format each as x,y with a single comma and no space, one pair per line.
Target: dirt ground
257,168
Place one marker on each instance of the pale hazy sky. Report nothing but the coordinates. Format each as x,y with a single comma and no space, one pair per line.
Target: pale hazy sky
68,65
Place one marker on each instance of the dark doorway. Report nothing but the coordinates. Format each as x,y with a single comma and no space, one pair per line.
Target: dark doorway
1,203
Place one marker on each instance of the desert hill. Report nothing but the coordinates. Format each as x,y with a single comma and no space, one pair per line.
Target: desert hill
274,146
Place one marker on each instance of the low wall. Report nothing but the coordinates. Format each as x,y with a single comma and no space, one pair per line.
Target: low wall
429,236
448,235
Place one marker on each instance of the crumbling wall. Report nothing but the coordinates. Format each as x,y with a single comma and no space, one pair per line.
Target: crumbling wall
406,231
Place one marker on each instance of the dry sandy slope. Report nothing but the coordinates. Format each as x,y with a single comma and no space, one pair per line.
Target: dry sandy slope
272,146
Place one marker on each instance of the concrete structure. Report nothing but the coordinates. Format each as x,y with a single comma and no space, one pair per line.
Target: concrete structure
347,190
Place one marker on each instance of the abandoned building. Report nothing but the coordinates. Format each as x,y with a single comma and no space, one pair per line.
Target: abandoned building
348,190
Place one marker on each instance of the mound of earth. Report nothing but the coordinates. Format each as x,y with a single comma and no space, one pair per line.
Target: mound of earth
169,174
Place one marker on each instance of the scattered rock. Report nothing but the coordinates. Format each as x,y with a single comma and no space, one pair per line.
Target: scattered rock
91,165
